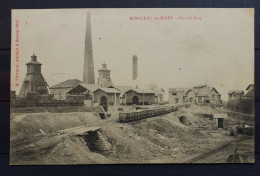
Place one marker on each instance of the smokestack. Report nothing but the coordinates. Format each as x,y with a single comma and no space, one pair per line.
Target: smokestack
135,75
88,72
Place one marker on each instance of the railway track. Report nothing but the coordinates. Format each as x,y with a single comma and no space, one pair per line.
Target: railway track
214,151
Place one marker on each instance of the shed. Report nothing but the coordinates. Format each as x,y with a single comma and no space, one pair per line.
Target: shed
220,120
139,96
106,96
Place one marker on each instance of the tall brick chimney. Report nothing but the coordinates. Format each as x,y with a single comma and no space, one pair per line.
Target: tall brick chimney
88,72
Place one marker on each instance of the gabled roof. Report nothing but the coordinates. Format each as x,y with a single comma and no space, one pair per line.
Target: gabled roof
250,85
186,90
236,92
250,94
204,91
176,90
90,87
109,90
122,89
141,91
71,83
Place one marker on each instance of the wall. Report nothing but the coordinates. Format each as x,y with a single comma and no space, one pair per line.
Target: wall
191,95
234,96
150,98
110,97
174,99
60,94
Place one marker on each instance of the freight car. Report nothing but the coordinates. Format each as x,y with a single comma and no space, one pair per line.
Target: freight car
145,113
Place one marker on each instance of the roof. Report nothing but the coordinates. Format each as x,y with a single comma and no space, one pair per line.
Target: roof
122,89
157,91
90,87
204,91
249,94
236,92
71,83
186,90
141,91
199,86
104,67
250,85
108,90
33,63
176,90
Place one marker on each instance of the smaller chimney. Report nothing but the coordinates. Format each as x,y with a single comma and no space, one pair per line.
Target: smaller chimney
135,67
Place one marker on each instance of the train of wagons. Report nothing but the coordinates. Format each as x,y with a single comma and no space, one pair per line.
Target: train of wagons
145,113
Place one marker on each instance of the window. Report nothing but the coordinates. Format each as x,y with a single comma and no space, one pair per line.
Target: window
174,93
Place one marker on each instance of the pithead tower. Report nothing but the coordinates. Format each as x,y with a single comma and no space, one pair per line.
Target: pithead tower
34,82
88,72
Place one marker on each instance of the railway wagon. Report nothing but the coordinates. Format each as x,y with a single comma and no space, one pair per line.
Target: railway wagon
145,113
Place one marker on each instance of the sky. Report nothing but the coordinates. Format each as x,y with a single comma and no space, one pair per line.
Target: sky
215,48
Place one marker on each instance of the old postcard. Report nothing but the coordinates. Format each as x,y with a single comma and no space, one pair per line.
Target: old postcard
119,86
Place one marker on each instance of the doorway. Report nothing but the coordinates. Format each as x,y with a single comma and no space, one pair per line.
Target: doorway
135,100
220,123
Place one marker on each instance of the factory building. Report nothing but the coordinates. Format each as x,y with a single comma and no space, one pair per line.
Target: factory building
34,83
107,96
159,93
139,97
235,95
61,89
199,94
250,92
82,93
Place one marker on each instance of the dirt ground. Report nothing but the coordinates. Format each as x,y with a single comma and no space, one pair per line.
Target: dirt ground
36,139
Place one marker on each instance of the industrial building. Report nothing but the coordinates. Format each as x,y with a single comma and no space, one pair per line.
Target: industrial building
61,89
86,91
235,95
250,92
107,96
199,94
34,82
139,97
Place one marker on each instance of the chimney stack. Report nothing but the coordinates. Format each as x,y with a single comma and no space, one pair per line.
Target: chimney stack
135,74
88,72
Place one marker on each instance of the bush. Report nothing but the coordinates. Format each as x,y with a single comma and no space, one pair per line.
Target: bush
244,106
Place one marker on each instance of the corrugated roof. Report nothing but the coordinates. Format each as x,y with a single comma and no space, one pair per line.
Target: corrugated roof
71,83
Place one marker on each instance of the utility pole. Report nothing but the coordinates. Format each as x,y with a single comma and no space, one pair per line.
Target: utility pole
143,96
115,99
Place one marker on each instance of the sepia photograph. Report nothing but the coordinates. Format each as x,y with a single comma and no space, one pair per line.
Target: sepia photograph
132,86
